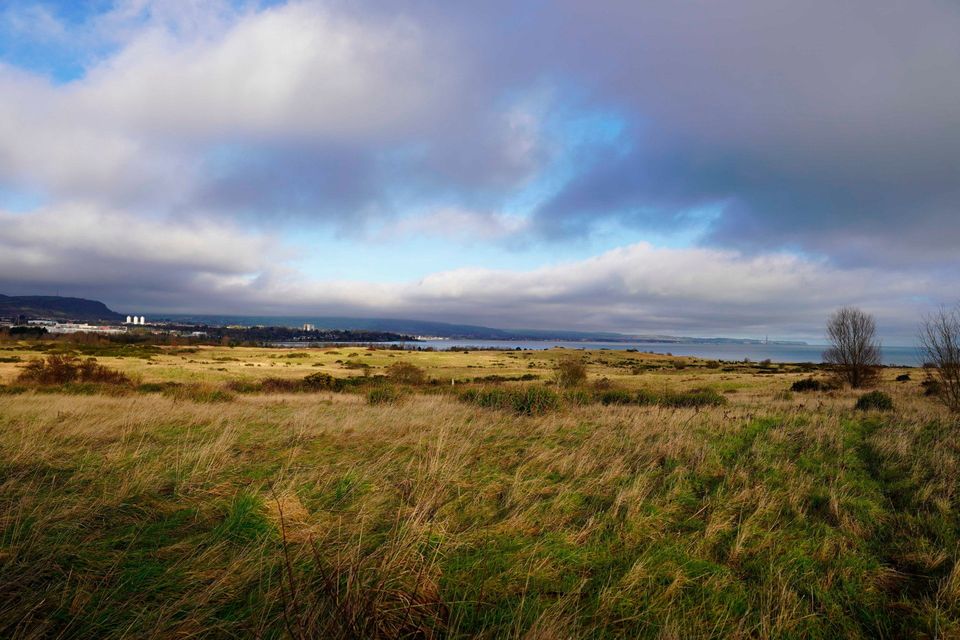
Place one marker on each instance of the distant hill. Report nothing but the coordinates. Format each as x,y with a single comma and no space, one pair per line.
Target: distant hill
57,308
61,308
447,330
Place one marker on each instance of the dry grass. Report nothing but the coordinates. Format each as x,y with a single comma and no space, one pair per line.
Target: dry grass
319,515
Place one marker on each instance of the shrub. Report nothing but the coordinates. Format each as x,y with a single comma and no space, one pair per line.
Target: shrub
406,373
279,385
384,394
12,390
531,400
903,377
570,372
697,398
535,400
644,397
198,393
157,387
578,397
487,398
807,384
603,384
244,386
875,400
931,387
64,369
616,396
320,381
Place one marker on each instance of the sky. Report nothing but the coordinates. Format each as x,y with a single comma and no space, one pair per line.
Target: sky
688,167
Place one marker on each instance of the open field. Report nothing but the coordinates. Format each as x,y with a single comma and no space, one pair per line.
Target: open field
197,501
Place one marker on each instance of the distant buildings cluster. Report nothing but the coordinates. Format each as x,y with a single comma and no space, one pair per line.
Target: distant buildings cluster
53,326
136,320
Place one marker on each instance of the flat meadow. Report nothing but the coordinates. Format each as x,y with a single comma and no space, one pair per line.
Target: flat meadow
354,492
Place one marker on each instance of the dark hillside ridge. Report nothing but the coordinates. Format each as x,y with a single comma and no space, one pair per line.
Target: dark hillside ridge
57,308
447,329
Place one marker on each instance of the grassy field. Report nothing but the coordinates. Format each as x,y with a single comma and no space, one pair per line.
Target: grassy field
197,500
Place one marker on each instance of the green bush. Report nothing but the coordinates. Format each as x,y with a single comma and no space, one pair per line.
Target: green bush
644,397
696,398
198,393
12,390
578,397
321,381
807,384
496,398
384,394
531,400
406,373
616,396
875,400
535,400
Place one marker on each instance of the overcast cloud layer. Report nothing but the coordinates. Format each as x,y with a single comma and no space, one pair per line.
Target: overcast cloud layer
734,168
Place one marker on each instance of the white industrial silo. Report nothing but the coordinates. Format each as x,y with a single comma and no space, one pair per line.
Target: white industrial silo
143,320
129,321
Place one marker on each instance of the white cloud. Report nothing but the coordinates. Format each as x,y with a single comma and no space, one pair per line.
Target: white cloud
297,70
82,244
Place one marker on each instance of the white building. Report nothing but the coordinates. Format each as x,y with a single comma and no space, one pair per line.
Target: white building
77,327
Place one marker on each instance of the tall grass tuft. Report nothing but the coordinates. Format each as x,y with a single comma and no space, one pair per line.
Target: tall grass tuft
532,400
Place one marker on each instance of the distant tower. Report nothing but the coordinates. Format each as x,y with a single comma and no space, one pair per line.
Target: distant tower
129,321
143,320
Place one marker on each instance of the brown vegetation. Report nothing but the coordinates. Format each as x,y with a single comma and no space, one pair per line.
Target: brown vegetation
63,369
570,372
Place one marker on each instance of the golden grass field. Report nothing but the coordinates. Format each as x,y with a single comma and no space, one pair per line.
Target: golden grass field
147,511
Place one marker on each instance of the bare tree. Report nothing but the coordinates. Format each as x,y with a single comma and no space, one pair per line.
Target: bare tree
854,351
940,340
